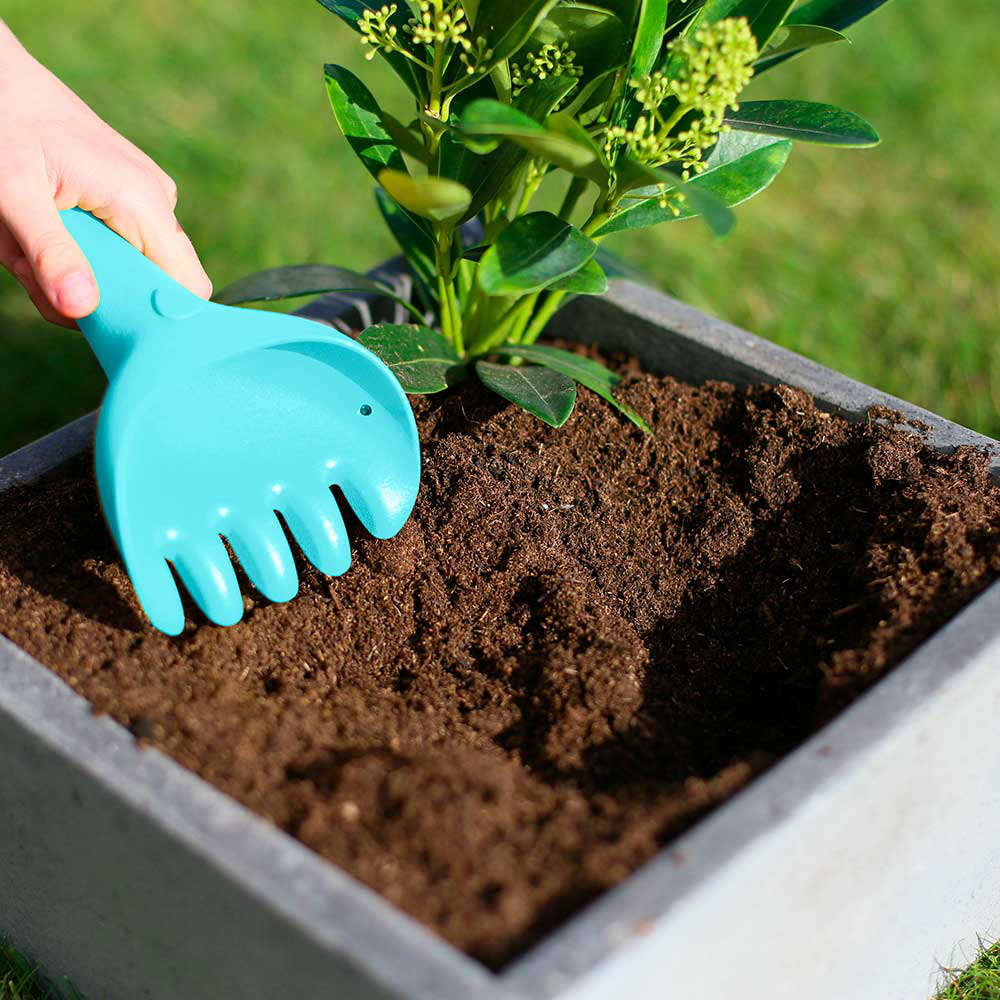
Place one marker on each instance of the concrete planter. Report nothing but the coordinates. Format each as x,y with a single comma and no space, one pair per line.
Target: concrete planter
847,872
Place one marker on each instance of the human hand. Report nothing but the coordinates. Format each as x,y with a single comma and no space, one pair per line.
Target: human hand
56,153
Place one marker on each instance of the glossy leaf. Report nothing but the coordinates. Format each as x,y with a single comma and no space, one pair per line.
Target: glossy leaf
564,142
415,242
741,165
589,279
421,358
588,99
547,394
587,372
498,167
590,159
764,16
494,120
360,119
507,24
703,202
303,279
710,12
796,37
531,253
648,37
406,140
435,198
351,11
805,121
835,14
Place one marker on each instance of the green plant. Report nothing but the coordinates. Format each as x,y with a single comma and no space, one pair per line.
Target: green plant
635,102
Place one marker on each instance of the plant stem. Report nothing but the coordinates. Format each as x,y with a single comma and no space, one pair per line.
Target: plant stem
505,327
444,307
532,182
552,302
456,320
573,194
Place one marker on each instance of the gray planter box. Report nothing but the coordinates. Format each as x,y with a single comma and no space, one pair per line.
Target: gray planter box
848,872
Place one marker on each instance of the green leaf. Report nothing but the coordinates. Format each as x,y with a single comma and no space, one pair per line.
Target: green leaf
716,213
804,121
421,358
536,102
589,279
834,14
351,11
507,24
531,253
491,119
764,16
361,120
597,167
648,37
741,165
710,12
561,140
434,198
591,95
416,244
587,372
547,394
303,279
797,37
405,138
703,202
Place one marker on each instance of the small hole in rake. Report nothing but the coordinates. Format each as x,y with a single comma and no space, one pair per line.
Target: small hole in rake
366,410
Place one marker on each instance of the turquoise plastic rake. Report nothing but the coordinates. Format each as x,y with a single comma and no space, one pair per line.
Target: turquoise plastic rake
215,419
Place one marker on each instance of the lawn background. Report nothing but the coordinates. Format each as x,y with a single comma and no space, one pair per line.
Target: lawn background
882,263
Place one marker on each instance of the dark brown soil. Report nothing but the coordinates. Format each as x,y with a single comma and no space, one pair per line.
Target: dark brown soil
581,641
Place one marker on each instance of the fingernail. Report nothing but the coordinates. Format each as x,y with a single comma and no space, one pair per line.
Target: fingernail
77,294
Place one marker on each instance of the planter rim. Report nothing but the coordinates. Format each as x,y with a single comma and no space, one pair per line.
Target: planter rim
389,948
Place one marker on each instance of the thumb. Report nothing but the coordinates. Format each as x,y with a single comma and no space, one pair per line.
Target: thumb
58,264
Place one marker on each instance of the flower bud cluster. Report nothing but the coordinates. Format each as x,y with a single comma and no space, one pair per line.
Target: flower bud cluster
708,72
715,66
549,60
376,32
440,25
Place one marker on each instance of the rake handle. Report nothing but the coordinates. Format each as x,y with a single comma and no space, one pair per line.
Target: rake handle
136,295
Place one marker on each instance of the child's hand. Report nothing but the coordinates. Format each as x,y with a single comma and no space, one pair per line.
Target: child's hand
55,153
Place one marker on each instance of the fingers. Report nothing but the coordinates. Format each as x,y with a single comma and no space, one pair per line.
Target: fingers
14,261
59,269
142,211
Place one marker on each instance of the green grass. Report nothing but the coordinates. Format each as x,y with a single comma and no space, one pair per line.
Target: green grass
21,980
882,263
980,981
879,262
